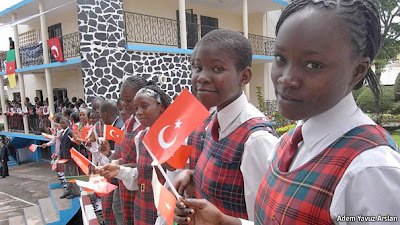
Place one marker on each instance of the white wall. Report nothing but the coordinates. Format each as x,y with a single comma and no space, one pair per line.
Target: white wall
69,79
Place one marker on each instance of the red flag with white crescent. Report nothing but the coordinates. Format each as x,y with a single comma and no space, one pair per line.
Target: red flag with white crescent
113,134
55,48
176,123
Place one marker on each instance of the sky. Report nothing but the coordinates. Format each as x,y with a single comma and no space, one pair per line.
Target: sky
7,32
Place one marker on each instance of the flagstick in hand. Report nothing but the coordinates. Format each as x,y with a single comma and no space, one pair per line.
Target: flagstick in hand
163,173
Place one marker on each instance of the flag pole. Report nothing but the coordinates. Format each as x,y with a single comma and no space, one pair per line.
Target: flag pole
163,172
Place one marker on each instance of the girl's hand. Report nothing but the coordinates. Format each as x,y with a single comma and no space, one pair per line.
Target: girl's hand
105,148
197,211
109,170
183,180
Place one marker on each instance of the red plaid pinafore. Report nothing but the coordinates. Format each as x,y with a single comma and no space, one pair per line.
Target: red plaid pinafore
196,139
127,152
217,176
145,210
304,195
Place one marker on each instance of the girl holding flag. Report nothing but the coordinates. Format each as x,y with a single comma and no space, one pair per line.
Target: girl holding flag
150,102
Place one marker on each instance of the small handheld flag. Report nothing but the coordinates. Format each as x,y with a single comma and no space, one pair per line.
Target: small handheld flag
33,147
81,161
113,134
163,199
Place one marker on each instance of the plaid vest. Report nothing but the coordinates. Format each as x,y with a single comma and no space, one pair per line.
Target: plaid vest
127,153
304,196
145,210
217,176
196,139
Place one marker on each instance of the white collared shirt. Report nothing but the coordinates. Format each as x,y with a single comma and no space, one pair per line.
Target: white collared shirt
370,185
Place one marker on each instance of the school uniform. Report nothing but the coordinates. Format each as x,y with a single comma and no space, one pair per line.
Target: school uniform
70,167
56,142
346,165
231,166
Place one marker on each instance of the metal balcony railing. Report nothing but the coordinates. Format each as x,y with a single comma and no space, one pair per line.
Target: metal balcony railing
71,44
140,28
146,29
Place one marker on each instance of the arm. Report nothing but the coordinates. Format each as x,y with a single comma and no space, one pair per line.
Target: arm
258,147
127,175
369,186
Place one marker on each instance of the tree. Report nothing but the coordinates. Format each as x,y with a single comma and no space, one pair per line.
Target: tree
397,88
389,11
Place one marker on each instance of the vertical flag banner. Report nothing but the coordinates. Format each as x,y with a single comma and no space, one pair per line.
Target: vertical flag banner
164,200
80,160
55,48
113,134
11,80
173,126
10,68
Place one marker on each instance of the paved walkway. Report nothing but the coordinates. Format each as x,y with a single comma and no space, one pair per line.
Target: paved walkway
24,187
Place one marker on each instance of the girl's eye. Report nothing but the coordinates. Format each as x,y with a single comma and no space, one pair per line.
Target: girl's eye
197,68
280,58
313,66
218,69
144,106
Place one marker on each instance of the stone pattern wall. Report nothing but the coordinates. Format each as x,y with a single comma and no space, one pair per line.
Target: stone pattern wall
105,61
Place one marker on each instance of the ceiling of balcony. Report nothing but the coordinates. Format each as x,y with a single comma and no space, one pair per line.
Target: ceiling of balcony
31,7
236,6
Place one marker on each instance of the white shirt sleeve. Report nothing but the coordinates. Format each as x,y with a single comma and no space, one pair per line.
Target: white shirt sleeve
258,147
51,142
369,187
128,176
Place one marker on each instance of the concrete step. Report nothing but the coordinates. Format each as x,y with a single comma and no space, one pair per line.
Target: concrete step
16,220
61,204
49,212
33,216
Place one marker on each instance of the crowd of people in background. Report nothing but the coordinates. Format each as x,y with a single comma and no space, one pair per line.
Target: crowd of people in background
38,112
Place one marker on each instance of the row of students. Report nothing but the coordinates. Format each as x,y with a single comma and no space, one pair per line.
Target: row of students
337,163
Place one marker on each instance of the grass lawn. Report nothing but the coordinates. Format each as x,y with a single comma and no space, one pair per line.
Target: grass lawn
396,135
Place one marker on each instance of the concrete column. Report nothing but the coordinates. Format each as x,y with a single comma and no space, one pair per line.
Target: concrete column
246,34
20,75
3,103
182,23
45,37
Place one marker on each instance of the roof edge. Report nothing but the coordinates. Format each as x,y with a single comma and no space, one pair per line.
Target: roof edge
14,7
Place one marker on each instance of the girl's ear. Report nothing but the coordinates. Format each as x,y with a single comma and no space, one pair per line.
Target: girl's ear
360,70
245,76
161,107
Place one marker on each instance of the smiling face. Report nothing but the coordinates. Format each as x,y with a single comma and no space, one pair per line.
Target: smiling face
83,117
214,77
147,109
314,66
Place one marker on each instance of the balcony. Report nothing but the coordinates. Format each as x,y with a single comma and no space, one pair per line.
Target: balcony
146,29
32,55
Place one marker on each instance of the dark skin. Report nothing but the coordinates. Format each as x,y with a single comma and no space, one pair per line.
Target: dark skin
216,82
311,74
147,111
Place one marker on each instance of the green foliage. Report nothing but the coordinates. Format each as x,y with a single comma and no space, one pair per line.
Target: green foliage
357,93
366,100
390,118
395,109
397,88
260,98
396,136
389,11
281,130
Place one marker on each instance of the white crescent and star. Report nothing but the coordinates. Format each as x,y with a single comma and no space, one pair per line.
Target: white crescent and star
54,48
112,135
161,140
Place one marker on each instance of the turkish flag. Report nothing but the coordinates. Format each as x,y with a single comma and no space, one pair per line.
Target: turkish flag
86,132
96,184
164,200
113,134
54,164
51,116
33,147
80,160
179,158
10,67
55,48
176,123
